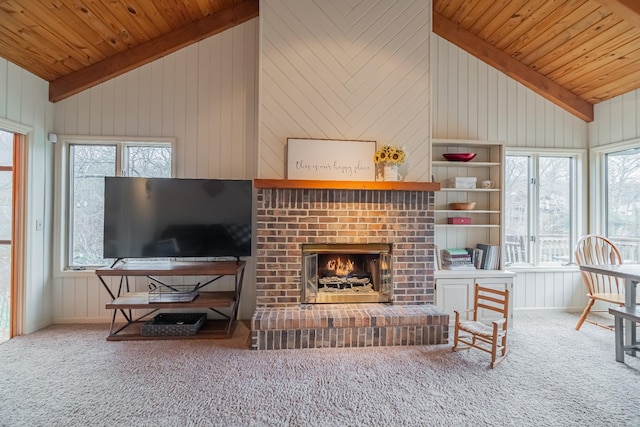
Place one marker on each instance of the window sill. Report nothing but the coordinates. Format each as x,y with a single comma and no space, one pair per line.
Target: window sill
542,268
69,273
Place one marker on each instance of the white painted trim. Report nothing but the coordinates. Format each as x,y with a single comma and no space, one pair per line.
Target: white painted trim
580,190
60,243
15,127
597,200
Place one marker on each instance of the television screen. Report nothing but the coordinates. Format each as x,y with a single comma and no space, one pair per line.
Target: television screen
173,217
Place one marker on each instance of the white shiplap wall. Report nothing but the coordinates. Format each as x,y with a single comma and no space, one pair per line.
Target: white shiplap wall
205,96
472,100
24,103
354,70
616,120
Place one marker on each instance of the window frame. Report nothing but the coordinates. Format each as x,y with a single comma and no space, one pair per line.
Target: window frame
62,181
598,188
578,203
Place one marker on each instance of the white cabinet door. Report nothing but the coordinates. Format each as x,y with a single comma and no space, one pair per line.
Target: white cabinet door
498,283
454,294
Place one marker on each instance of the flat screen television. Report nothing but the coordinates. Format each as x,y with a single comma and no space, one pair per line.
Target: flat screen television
173,217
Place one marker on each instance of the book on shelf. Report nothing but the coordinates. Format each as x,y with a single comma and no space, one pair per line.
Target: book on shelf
456,259
459,267
476,256
490,256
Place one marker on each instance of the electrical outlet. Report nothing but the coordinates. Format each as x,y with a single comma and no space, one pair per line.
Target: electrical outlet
38,225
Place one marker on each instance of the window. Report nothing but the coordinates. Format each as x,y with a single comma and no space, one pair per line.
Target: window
88,162
622,200
540,208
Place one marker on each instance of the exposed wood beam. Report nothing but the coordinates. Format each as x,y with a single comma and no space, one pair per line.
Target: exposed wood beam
144,53
629,10
511,67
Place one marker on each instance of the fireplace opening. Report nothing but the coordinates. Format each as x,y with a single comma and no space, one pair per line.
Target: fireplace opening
346,273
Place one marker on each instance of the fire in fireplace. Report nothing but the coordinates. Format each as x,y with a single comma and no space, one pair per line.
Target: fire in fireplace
346,273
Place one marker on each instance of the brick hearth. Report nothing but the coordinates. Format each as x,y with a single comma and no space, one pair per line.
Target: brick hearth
290,217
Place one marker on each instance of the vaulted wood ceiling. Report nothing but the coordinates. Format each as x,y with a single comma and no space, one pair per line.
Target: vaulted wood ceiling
575,53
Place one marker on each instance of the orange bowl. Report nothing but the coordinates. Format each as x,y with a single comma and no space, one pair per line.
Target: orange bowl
462,206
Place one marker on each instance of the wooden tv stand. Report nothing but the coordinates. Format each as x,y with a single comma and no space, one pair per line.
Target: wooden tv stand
124,301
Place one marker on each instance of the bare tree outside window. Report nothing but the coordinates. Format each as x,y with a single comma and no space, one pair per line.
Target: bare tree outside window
517,209
6,220
538,209
90,164
554,199
623,202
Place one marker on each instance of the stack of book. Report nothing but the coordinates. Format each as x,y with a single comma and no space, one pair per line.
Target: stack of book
457,259
490,256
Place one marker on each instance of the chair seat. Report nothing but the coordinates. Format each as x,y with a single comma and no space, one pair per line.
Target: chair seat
476,328
611,298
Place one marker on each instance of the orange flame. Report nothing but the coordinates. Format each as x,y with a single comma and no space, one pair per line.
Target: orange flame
341,268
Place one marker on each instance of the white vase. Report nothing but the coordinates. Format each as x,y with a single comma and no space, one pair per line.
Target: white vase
390,173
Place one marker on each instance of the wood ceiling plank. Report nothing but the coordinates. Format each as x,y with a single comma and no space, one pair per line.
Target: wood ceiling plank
103,23
174,12
602,34
148,11
448,7
565,40
136,15
487,15
536,19
541,35
30,61
604,72
508,19
614,83
61,22
475,11
142,54
511,67
40,41
113,15
629,10
595,59
462,12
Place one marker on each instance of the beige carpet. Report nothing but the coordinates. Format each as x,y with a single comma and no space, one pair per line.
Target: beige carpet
554,376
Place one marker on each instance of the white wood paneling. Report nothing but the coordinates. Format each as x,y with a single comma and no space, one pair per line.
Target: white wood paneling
472,100
616,120
346,72
204,96
24,101
561,290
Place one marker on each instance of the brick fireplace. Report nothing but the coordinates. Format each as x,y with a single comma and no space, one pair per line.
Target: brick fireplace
292,215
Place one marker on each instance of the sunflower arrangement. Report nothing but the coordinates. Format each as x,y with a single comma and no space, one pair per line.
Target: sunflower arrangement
388,155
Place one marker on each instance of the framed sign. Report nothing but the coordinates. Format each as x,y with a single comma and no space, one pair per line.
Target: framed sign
330,160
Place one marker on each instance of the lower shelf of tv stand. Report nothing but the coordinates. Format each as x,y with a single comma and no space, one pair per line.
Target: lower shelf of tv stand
212,329
140,300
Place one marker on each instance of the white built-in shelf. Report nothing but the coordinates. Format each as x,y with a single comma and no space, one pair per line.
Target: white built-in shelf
459,143
470,164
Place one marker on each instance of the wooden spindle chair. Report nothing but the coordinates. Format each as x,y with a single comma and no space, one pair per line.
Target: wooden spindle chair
598,250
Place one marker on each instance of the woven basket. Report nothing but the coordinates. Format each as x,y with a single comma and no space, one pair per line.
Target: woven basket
174,324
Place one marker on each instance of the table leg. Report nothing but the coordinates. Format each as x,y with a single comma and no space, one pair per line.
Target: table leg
619,338
630,302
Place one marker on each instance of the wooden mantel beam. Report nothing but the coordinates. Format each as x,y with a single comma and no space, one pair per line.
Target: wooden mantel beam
530,78
144,53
